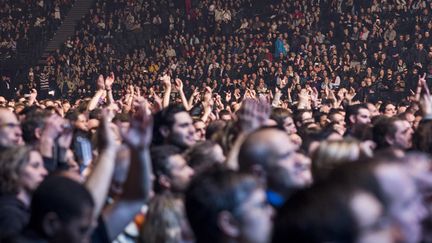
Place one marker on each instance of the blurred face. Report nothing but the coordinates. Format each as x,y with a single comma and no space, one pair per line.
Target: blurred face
363,117
199,130
183,131
33,173
255,220
410,119
289,125
82,123
79,229
390,110
338,119
180,173
371,220
373,110
404,202
217,153
10,129
403,137
288,170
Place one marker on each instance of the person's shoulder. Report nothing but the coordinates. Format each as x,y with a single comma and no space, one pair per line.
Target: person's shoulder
10,204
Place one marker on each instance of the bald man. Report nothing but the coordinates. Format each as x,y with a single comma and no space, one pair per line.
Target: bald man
10,129
269,154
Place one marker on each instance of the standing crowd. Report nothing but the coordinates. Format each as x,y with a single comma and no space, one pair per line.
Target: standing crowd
225,121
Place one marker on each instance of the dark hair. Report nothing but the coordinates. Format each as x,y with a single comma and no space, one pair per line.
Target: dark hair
121,117
384,105
164,118
60,195
200,156
279,115
213,128
96,114
160,156
73,115
353,110
33,120
384,126
422,138
212,192
224,113
318,214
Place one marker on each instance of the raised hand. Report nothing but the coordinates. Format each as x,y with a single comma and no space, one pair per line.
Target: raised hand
228,96
33,94
178,84
237,94
101,82
166,81
253,114
139,134
109,81
208,94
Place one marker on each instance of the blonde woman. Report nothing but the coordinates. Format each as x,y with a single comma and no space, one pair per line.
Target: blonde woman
165,221
332,153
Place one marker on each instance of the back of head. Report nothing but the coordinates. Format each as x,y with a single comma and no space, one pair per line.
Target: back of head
422,139
331,154
62,197
203,155
318,214
279,115
165,220
212,192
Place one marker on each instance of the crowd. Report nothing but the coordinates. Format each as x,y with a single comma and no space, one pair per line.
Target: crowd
24,24
225,121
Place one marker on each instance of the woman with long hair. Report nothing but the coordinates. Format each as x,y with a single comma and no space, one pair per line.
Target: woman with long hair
21,171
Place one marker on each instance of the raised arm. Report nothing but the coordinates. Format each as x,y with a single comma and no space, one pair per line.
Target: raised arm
99,180
166,80
108,87
99,93
138,186
179,87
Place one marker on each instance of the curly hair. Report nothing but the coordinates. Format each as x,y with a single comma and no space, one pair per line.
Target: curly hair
12,162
